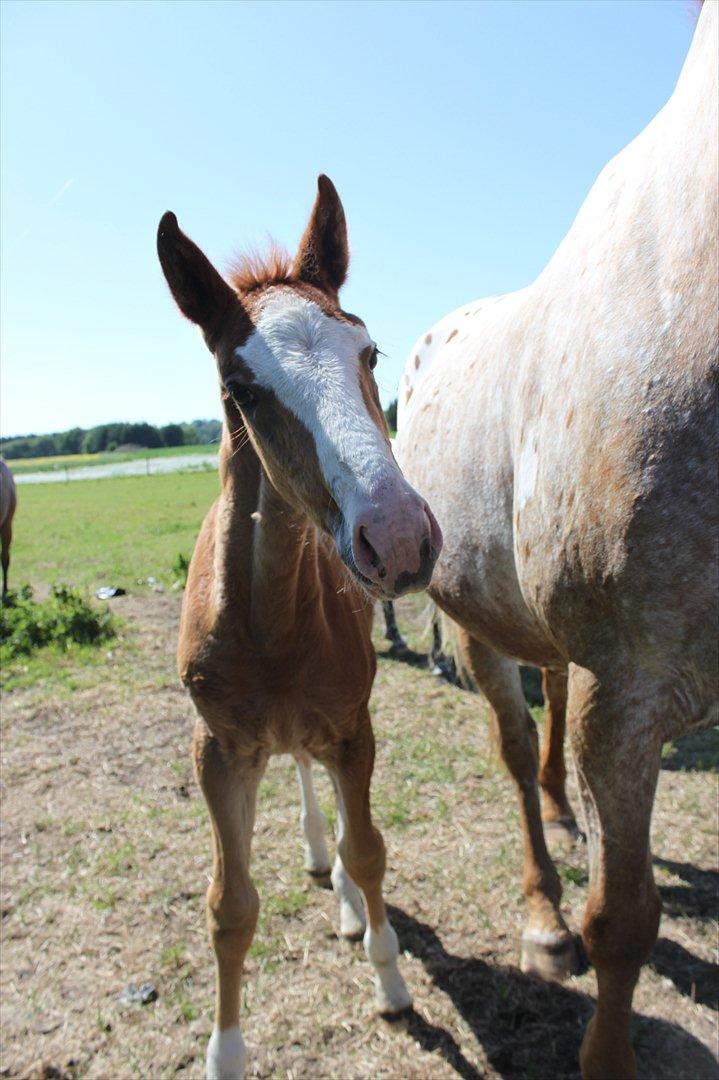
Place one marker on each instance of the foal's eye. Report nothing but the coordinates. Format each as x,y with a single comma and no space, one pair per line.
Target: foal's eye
241,395
373,358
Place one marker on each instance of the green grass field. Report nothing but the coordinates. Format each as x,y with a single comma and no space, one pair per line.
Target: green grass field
108,532
74,461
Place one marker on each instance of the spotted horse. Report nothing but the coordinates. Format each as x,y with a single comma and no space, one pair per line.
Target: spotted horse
566,436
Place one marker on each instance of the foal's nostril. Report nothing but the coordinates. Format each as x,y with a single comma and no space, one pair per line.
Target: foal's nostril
370,554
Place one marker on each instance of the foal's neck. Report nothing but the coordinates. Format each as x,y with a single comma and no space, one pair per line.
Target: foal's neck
266,552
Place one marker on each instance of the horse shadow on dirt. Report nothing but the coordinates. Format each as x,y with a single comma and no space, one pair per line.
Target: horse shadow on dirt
697,752
528,1027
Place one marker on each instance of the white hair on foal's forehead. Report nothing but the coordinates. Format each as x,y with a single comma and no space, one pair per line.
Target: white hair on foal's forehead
310,361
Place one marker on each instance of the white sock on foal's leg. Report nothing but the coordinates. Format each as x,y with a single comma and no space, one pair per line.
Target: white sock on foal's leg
382,949
352,914
226,1055
313,822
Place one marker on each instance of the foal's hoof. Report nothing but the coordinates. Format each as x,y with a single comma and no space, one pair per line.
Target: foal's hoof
393,998
563,832
552,956
352,921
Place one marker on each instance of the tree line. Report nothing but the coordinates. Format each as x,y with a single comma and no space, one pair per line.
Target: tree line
108,437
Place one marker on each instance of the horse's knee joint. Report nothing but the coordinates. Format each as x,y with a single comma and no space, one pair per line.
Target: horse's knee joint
232,911
364,867
622,939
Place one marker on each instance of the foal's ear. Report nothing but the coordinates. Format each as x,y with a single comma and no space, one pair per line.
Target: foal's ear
199,291
323,255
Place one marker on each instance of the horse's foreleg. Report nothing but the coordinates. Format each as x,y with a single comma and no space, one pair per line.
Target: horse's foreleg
313,822
616,741
232,900
363,856
548,948
557,814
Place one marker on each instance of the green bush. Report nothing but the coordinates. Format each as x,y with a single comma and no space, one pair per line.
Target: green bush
180,567
64,619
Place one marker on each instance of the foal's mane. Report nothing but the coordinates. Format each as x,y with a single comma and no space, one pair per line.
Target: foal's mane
255,269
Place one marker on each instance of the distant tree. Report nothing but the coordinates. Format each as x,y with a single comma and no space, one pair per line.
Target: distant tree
17,448
172,435
207,430
94,440
70,442
391,415
45,446
143,435
189,434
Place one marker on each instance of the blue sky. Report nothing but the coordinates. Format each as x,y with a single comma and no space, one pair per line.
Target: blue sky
462,137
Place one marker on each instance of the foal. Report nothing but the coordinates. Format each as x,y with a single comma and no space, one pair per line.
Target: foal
314,518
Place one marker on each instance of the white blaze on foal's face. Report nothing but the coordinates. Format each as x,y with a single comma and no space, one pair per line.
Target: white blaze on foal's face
315,365
311,363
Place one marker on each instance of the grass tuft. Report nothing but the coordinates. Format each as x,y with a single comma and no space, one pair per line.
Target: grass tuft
64,619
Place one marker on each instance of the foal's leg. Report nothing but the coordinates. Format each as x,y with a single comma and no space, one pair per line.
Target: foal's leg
616,740
313,822
547,945
557,814
232,900
363,854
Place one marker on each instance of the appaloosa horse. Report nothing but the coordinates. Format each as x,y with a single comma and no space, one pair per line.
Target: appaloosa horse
8,505
314,518
566,436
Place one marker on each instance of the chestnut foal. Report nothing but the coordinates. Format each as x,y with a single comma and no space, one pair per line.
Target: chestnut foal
313,520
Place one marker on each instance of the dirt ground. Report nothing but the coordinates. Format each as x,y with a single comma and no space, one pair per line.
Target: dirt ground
105,852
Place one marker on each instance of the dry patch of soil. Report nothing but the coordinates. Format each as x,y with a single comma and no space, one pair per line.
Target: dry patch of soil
106,851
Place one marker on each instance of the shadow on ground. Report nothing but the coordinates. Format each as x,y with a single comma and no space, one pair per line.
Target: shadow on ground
698,752
698,899
527,1027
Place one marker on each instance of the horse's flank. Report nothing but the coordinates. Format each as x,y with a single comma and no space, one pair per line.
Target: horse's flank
581,411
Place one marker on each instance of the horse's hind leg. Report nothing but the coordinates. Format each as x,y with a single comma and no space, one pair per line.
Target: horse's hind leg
557,814
313,822
548,948
616,740
232,900
363,856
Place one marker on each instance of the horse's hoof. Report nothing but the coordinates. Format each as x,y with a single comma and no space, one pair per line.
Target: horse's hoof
321,878
563,832
551,955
